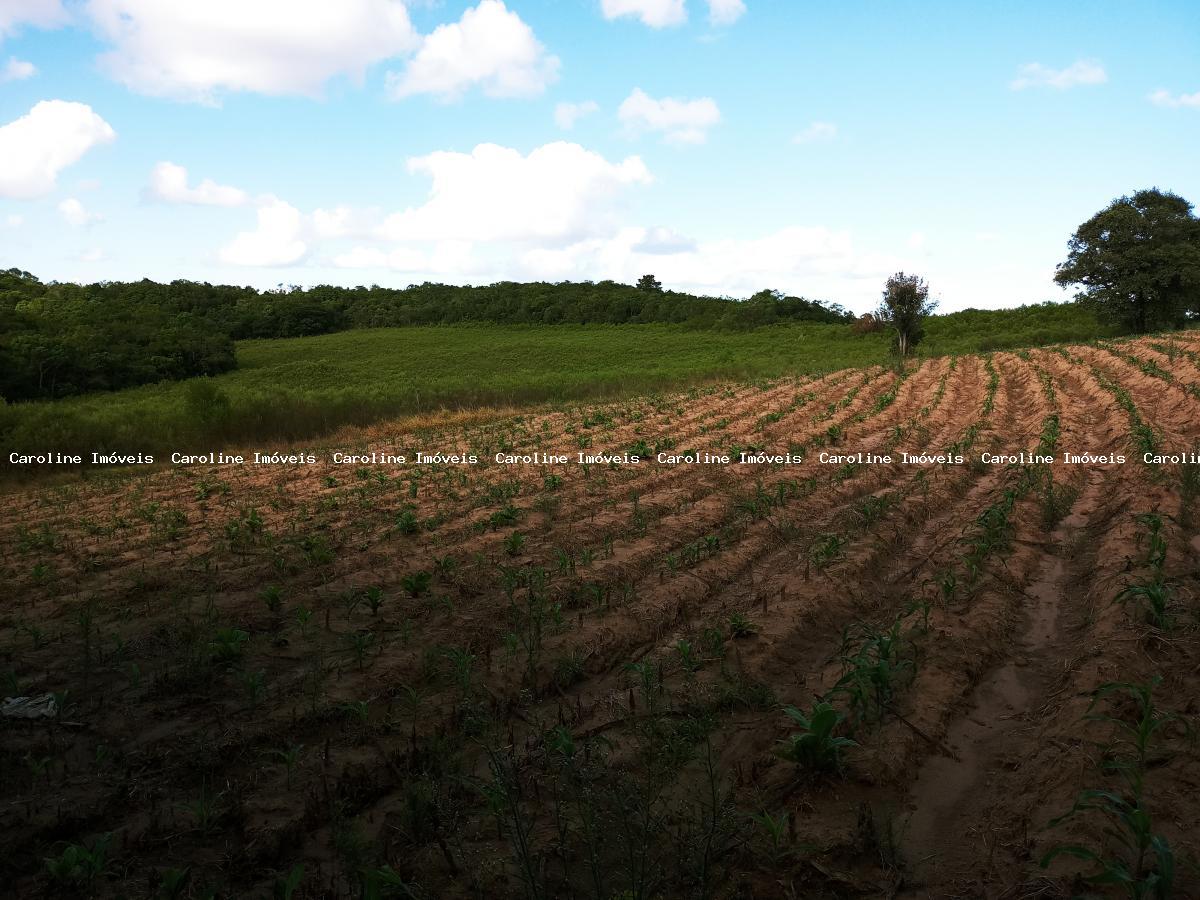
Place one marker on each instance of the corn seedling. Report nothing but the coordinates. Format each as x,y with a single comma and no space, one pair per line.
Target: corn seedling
358,644
289,757
272,596
1139,861
1153,594
514,543
741,627
1130,754
79,864
373,598
816,746
228,644
417,584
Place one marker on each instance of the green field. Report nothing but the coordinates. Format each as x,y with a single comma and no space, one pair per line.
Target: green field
298,388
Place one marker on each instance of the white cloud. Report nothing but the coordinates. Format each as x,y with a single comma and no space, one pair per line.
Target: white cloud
17,70
12,220
1080,72
559,191
663,240
489,47
43,142
685,121
810,261
192,50
446,258
76,214
916,240
168,182
817,131
93,255
655,13
38,13
725,12
567,114
1175,101
279,239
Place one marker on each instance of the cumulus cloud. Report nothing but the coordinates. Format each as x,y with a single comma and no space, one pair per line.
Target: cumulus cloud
655,13
38,13
43,142
663,240
812,261
169,183
278,240
556,192
1080,72
193,50
489,47
725,12
567,114
17,70
1175,101
684,121
453,259
817,131
76,214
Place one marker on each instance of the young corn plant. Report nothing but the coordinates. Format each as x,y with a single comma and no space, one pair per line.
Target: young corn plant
874,662
79,865
1135,858
817,746
1130,753
1152,594
741,627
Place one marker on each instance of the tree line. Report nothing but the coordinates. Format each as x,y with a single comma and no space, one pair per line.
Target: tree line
1136,264
60,339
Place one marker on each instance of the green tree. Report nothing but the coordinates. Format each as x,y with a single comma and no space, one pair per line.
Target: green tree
1137,262
650,284
905,305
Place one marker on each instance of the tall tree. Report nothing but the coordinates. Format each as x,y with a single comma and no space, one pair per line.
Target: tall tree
649,283
905,305
1137,261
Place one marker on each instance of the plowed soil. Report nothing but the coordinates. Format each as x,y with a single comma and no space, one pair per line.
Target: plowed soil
490,680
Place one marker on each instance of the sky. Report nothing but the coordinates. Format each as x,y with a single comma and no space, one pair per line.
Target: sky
725,146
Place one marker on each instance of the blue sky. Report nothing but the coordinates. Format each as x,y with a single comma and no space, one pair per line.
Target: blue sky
724,145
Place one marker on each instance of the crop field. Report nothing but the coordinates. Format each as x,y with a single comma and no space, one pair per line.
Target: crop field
633,680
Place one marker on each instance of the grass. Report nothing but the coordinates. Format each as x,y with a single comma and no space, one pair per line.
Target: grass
299,388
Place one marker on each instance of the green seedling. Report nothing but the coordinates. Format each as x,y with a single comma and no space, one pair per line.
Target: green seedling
741,627
417,584
228,644
373,598
514,543
816,746
1142,863
289,757
272,596
79,864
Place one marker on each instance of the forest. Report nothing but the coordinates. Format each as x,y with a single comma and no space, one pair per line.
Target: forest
59,340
